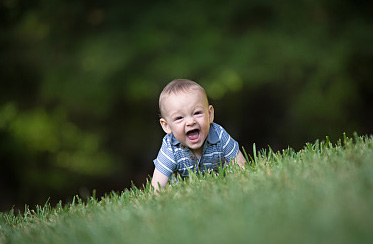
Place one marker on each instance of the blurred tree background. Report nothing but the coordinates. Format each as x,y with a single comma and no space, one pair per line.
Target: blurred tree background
80,82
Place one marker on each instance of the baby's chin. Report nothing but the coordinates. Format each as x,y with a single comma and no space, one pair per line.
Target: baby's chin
196,145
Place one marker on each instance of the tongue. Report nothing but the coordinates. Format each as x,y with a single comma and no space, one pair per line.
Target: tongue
193,135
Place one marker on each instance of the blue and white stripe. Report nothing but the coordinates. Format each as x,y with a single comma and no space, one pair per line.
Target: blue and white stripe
173,157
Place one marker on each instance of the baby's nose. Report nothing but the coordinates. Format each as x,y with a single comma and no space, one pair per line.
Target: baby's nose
190,121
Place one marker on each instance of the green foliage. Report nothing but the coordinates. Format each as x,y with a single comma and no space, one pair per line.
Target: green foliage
322,193
37,131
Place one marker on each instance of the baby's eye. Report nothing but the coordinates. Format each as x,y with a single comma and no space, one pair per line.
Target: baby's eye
178,118
198,112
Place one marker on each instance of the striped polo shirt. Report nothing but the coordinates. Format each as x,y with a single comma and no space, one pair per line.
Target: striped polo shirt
173,157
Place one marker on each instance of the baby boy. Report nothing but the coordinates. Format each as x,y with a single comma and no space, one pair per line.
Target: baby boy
193,142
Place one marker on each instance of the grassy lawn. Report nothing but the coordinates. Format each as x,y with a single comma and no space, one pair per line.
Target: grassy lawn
321,194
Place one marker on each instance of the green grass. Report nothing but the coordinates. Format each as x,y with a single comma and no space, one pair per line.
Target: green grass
321,194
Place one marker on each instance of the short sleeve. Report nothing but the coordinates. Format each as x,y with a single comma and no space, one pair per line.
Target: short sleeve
230,146
165,161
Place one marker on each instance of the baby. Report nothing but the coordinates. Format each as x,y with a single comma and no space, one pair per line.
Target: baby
193,142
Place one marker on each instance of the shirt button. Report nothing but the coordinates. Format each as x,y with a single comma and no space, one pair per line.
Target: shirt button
192,157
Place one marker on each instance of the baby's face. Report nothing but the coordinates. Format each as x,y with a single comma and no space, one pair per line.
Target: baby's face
188,116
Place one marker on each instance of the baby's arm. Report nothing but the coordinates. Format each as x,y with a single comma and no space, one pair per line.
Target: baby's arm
160,178
231,148
240,159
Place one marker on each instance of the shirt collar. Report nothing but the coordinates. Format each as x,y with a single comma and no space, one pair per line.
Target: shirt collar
212,137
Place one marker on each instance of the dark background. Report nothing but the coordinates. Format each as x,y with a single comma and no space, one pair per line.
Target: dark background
80,82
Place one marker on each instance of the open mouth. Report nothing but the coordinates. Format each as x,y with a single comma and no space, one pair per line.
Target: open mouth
193,135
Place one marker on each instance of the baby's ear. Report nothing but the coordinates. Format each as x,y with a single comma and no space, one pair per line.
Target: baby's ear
165,126
211,114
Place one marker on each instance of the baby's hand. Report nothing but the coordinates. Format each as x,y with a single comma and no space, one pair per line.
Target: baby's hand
158,179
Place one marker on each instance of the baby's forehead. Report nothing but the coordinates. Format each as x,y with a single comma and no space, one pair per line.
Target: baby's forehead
166,98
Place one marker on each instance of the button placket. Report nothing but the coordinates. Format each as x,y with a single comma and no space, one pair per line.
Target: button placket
203,152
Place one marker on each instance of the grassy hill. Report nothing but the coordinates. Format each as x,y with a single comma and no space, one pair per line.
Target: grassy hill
321,194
